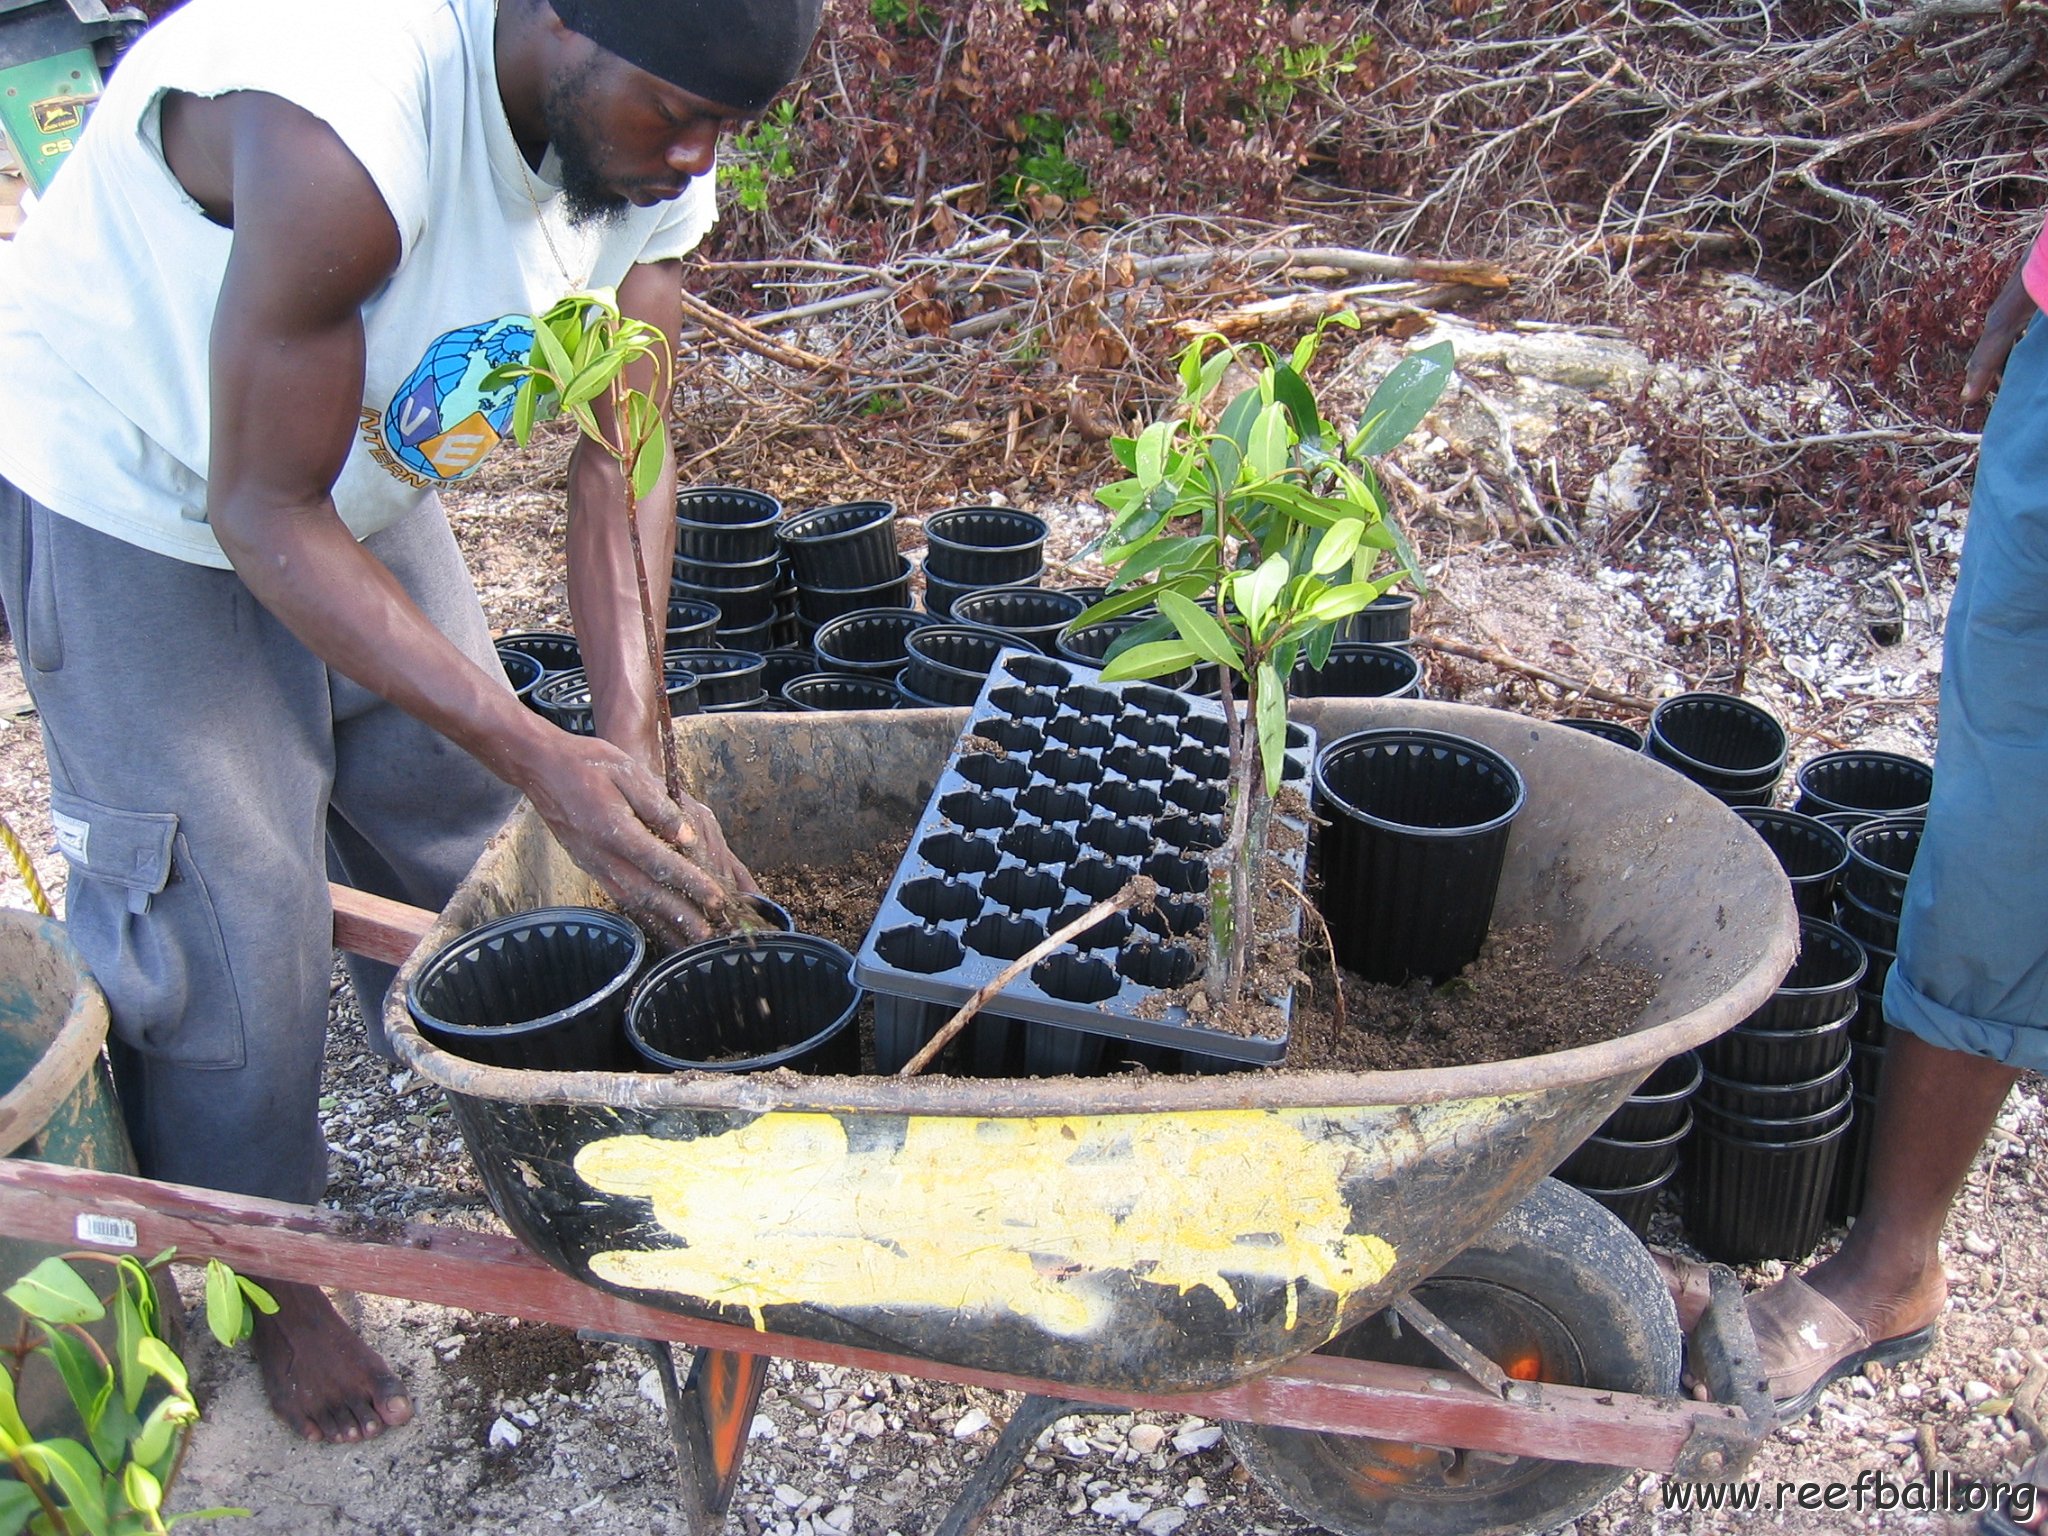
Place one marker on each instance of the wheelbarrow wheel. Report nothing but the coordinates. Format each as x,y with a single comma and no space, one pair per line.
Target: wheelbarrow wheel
1557,1291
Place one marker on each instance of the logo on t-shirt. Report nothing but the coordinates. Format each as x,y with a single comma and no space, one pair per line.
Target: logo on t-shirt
443,421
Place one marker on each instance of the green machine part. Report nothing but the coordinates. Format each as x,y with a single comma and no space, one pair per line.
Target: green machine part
51,60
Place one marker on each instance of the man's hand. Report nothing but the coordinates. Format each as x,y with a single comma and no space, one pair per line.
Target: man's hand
2008,316
667,864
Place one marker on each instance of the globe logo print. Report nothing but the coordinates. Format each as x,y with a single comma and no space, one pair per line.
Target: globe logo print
442,421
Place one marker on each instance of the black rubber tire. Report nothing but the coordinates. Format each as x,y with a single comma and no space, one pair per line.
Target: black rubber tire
1559,1274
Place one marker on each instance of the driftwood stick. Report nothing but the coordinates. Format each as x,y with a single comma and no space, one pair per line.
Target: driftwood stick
1469,274
1296,309
1509,663
741,334
1137,890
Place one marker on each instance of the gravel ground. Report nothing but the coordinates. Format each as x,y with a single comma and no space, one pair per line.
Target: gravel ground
523,1427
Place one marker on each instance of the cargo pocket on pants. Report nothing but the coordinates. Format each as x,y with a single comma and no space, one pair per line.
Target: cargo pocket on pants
145,923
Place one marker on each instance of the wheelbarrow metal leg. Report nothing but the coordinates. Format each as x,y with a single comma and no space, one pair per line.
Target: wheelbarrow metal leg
1722,1354
1033,1417
709,1416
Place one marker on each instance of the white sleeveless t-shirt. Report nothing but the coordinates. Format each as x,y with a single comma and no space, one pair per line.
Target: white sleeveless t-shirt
108,293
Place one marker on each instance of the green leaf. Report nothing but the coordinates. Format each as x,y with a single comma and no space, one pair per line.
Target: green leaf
141,1489
256,1296
17,1502
1317,511
112,1431
227,1315
1271,709
88,1386
13,1431
1271,447
1403,399
1190,365
53,1292
1335,549
1152,445
129,1332
1148,661
1254,593
1125,451
1201,631
1292,391
159,1359
1342,602
1226,461
1120,496
159,1432
592,380
555,362
70,1466
1236,421
648,466
1212,375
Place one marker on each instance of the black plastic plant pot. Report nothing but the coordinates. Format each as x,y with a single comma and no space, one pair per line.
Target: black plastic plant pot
690,622
545,990
1387,620
1866,1066
1852,1168
1865,924
564,697
738,607
1880,858
1609,1163
1418,825
1624,736
1771,1056
1812,854
848,544
555,649
758,638
940,595
1659,1104
1876,784
779,666
730,575
749,1003
765,914
522,672
1722,743
1748,1200
949,662
841,690
1089,643
724,678
1634,1205
1778,1101
722,523
818,605
1356,671
984,546
869,641
1033,615
1831,965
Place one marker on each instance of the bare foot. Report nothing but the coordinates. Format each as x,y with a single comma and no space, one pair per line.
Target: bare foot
323,1380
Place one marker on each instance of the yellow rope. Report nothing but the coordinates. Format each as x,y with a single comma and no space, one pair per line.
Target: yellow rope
26,869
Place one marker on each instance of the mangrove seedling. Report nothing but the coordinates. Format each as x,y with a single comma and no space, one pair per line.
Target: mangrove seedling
581,350
128,1394
1255,533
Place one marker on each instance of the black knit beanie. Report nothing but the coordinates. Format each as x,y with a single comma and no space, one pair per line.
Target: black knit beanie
737,53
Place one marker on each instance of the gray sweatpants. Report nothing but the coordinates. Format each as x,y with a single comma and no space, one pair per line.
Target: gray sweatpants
207,773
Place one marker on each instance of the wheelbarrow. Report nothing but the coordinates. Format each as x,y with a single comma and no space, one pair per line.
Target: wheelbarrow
1406,1326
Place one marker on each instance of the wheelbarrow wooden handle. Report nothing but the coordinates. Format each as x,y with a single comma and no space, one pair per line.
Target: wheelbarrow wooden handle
375,926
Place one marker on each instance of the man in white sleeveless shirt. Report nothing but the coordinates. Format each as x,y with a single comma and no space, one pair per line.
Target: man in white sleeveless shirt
242,340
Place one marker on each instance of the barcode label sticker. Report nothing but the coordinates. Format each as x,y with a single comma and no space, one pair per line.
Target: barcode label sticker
107,1231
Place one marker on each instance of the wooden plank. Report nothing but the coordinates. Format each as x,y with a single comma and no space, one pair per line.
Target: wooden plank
485,1272
376,927
12,187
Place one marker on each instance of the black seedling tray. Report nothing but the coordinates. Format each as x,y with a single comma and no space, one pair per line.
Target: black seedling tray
1094,782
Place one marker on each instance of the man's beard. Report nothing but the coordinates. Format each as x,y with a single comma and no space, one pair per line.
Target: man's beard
586,195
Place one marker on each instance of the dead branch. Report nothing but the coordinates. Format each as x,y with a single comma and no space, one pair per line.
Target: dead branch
1507,663
741,334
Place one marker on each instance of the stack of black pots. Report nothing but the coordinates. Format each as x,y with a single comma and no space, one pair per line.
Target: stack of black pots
531,656
1774,1110
1388,621
1733,749
1846,790
727,557
844,559
946,664
968,549
1627,1163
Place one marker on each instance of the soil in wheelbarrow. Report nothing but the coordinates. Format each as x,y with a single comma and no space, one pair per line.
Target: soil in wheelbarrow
1519,998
